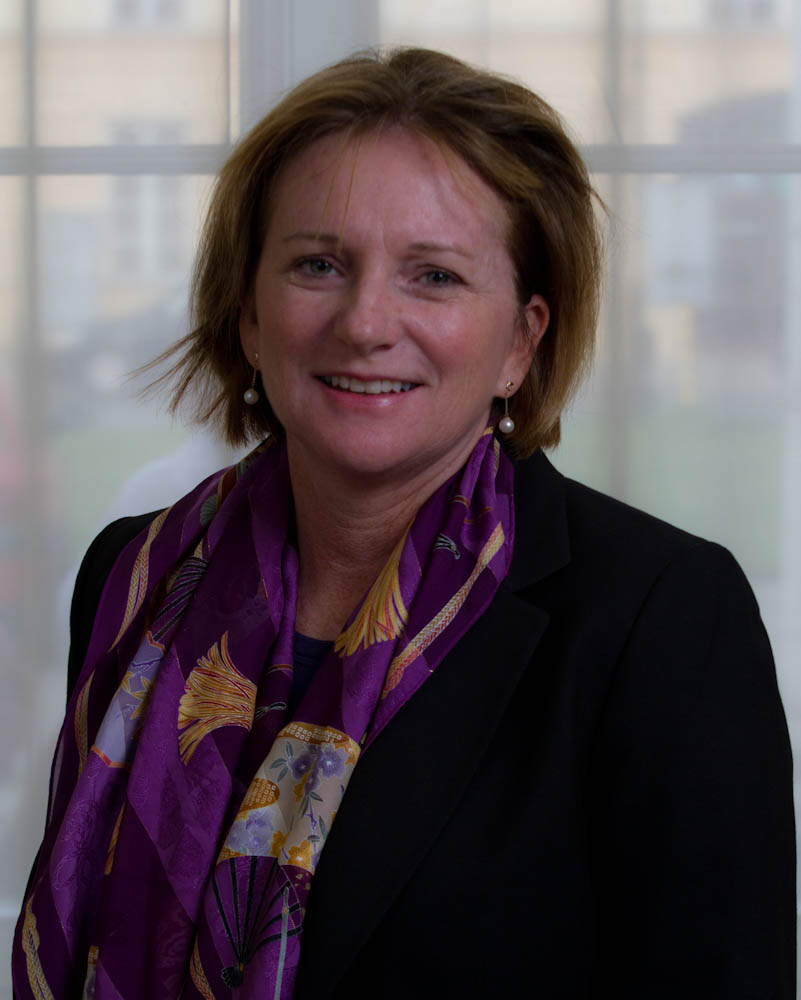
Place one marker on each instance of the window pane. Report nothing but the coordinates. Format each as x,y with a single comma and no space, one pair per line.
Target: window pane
556,49
12,200
718,72
114,260
132,72
713,72
12,106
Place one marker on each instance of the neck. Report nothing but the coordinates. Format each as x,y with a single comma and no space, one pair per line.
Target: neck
346,530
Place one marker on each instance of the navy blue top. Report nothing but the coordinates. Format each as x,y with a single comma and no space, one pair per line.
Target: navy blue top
308,654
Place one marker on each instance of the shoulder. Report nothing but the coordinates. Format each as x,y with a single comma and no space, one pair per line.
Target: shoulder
645,611
616,579
626,544
598,522
101,556
92,575
602,542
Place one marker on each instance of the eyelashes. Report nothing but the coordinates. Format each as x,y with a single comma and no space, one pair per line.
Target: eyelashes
439,278
429,276
315,267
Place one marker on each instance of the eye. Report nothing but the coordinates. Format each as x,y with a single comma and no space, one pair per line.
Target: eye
438,278
317,267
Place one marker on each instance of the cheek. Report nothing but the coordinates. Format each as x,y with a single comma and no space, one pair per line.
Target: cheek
293,326
282,338
485,346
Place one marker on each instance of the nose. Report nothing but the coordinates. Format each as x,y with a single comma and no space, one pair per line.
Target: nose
366,320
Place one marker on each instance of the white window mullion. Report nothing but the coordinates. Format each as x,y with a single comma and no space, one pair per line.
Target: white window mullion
282,42
206,158
263,57
684,159
30,361
144,159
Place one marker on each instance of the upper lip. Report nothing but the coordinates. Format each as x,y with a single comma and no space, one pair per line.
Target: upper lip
372,377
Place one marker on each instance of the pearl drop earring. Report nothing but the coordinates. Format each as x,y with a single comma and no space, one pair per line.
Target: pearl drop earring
506,425
251,394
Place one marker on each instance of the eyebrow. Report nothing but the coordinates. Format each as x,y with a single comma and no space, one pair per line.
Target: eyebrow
311,234
424,246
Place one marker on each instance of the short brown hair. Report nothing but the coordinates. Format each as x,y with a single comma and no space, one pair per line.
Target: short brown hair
508,135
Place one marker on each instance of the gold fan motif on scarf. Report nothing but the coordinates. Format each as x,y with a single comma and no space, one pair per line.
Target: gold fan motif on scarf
383,614
137,587
216,695
420,642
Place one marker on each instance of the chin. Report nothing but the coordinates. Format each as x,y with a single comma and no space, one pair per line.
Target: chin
366,463
373,455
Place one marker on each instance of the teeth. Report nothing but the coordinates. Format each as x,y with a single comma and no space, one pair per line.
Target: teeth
370,388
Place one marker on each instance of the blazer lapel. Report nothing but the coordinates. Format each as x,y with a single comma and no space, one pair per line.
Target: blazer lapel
409,781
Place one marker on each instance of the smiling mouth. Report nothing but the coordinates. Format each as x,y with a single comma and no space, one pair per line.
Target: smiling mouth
373,387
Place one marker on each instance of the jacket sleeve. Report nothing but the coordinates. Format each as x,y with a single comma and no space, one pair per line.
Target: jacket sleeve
691,813
95,568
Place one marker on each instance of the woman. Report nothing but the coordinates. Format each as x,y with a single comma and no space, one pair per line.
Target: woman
546,725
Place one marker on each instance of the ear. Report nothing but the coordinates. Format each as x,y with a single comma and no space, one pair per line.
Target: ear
531,325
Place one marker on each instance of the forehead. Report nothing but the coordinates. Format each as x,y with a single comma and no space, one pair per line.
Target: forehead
393,178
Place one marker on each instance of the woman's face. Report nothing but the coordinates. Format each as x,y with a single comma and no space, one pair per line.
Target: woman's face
384,310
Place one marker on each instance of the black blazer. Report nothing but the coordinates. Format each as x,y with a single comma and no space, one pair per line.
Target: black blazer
591,797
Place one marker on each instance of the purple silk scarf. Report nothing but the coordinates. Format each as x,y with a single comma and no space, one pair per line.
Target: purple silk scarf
187,813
